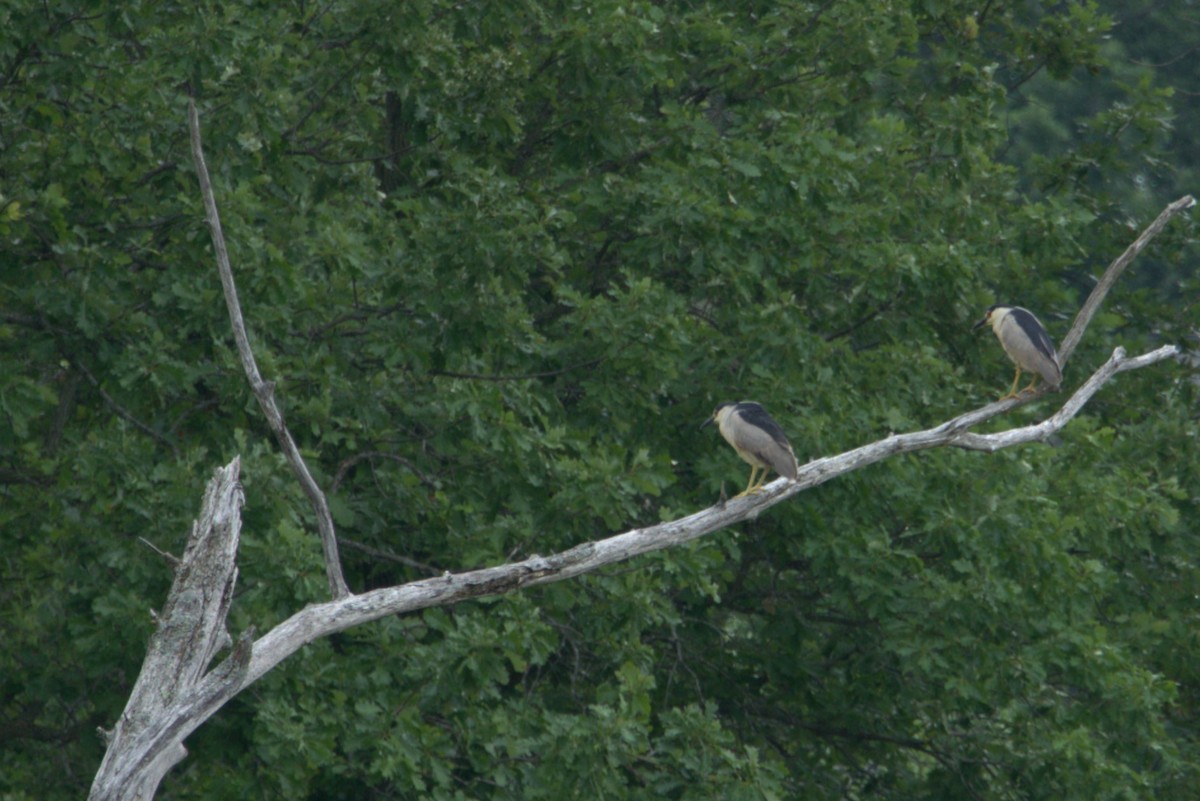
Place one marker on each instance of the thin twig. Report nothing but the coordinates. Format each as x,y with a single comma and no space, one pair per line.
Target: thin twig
518,376
1092,304
868,317
122,412
264,390
392,557
172,558
349,462
195,408
42,323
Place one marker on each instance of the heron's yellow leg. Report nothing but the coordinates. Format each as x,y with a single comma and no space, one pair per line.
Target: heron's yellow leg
753,472
749,483
1012,393
1032,384
756,487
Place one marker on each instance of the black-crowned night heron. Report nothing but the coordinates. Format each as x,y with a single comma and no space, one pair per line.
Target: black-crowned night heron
1026,342
757,438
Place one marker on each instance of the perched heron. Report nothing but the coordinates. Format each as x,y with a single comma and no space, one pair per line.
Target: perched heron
757,438
1026,342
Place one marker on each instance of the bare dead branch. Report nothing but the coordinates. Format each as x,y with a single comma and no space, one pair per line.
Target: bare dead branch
174,696
248,664
1117,363
264,390
1092,304
323,619
159,746
191,629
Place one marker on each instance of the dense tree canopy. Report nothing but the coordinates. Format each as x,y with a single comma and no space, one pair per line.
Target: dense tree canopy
501,259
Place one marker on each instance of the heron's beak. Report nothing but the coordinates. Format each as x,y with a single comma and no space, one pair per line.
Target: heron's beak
707,422
980,324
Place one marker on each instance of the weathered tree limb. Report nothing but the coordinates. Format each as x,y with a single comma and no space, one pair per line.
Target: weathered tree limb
956,433
1117,363
160,742
264,390
191,630
1092,304
158,746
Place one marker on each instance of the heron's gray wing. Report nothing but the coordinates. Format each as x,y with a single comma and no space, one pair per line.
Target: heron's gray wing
1036,332
765,439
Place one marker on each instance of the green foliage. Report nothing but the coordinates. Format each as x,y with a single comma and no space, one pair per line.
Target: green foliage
501,260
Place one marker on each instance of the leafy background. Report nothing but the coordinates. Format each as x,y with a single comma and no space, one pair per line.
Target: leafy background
501,260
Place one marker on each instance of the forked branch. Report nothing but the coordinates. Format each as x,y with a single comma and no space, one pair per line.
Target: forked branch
1092,304
161,740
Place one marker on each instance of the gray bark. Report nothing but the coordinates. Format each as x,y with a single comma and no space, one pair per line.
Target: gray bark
191,630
